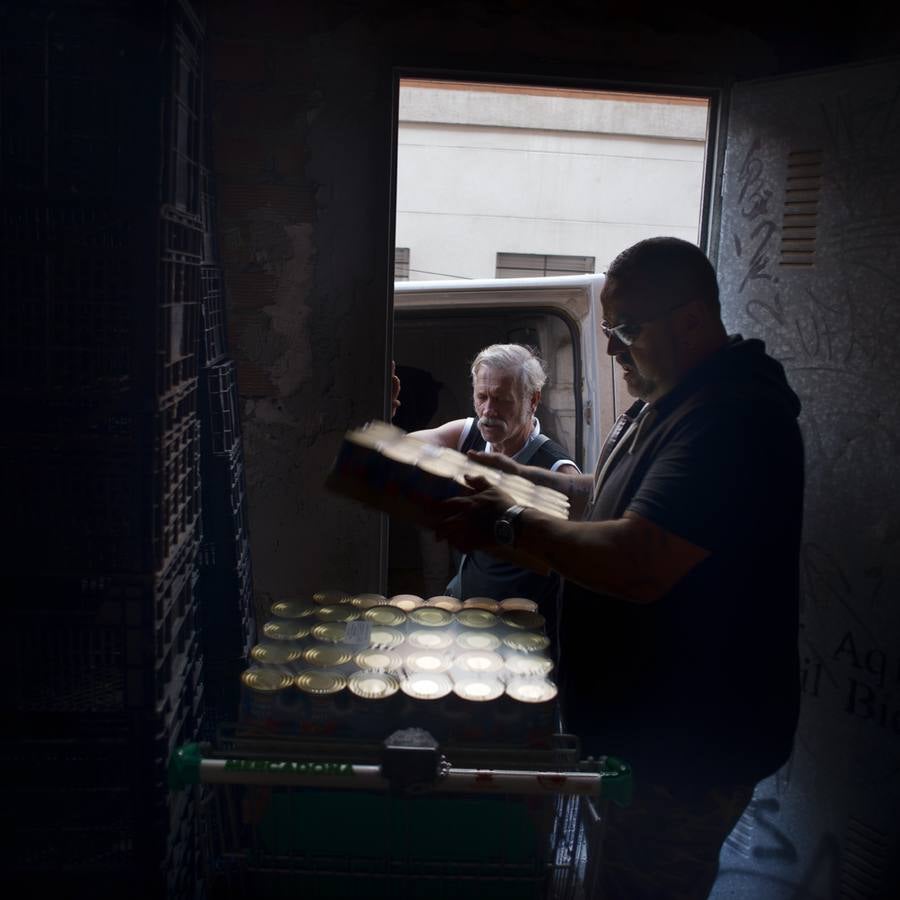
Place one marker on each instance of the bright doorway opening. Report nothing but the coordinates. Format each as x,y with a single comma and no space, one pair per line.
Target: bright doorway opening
509,181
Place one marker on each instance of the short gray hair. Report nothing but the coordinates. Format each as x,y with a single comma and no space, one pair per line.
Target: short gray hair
523,360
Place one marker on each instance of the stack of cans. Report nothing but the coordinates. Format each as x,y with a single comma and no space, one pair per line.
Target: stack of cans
362,666
385,467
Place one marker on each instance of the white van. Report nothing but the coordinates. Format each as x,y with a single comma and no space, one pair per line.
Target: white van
439,327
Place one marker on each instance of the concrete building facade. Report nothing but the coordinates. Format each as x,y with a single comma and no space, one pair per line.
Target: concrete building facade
489,172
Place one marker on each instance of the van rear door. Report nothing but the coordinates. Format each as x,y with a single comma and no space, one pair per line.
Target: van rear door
440,326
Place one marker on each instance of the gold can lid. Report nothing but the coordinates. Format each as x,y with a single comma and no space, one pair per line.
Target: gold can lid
479,661
431,616
331,598
266,679
518,603
430,639
373,685
285,630
478,688
440,464
476,618
326,656
531,690
406,602
366,601
275,654
492,476
374,434
428,661
320,682
293,609
521,664
384,637
331,632
530,621
527,642
378,660
404,450
451,604
426,685
343,613
385,615
477,640
518,482
482,603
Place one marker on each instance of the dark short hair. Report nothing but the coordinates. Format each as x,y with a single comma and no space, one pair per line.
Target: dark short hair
666,270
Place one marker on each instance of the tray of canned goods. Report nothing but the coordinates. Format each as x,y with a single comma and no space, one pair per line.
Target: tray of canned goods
362,665
384,467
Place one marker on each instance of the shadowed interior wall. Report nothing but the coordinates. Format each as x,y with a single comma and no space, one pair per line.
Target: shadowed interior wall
302,146
302,133
302,149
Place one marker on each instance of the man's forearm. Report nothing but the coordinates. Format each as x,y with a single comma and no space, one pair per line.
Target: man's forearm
575,486
593,554
628,557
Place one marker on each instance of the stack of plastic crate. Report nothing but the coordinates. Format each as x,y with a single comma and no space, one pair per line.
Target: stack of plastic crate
99,345
226,578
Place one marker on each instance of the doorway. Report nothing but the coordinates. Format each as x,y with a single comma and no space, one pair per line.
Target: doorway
499,181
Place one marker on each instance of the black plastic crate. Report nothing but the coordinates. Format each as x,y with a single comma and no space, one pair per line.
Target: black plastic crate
224,420
177,314
177,495
79,98
184,115
117,498
97,798
72,799
180,235
225,525
78,505
79,293
212,315
226,609
245,581
105,646
209,216
69,313
183,865
91,808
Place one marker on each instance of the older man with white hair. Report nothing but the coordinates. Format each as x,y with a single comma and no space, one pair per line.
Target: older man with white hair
507,380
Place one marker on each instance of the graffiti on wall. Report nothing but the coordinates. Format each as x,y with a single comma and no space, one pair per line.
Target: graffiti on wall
834,323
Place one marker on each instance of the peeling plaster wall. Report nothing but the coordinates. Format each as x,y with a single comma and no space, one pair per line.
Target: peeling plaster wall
304,240
302,149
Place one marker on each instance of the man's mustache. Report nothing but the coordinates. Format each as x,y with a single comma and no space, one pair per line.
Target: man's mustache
488,422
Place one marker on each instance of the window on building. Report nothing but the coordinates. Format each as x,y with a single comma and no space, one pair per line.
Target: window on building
401,263
538,265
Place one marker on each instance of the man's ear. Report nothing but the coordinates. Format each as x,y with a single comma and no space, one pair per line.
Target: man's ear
692,322
535,401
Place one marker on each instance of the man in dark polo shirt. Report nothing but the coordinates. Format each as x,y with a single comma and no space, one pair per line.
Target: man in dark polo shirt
678,637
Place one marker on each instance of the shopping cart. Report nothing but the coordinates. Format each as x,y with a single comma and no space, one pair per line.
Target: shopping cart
402,819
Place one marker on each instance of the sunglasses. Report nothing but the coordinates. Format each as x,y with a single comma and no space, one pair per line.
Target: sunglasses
627,333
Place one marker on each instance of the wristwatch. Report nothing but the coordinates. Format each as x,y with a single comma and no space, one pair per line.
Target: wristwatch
505,527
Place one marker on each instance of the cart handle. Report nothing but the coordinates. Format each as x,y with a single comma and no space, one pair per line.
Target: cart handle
611,777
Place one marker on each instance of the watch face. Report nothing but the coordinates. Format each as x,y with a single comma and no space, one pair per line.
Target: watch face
503,531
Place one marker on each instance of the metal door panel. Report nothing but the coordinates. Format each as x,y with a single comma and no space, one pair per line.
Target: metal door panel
809,260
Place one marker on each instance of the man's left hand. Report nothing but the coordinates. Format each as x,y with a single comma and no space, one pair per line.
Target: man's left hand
468,522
